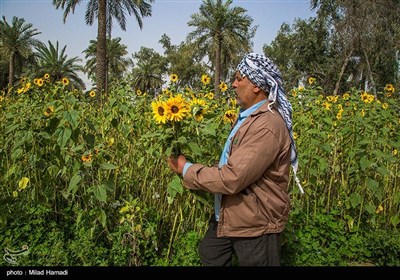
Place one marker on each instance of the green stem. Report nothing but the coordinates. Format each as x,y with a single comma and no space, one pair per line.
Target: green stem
171,238
176,150
359,214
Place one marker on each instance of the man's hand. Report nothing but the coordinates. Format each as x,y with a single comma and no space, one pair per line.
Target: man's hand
177,164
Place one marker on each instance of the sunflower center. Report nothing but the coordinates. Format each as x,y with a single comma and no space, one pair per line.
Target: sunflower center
174,109
161,111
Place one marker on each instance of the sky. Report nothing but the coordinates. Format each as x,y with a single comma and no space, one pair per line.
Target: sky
169,17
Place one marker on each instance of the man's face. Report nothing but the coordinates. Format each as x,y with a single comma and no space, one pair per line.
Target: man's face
245,91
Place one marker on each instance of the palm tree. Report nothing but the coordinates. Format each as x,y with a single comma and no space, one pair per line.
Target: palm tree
17,42
147,78
105,11
53,61
3,70
148,71
222,33
117,63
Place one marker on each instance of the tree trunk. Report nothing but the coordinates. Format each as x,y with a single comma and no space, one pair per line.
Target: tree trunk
217,73
11,71
369,72
101,56
346,61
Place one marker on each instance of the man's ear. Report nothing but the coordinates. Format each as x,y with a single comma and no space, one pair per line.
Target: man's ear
257,90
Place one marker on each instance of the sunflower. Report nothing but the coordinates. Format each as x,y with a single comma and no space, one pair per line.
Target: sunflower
49,111
40,82
196,101
230,116
210,95
177,108
198,108
389,88
198,114
379,209
92,93
327,105
173,78
205,79
46,76
223,87
367,98
65,81
332,98
87,158
311,80
27,87
159,111
385,105
166,91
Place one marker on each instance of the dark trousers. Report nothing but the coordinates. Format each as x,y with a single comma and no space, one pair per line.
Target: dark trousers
250,251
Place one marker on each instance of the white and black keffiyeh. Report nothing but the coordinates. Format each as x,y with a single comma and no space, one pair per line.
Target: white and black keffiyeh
262,72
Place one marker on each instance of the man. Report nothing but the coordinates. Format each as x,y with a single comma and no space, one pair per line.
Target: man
251,182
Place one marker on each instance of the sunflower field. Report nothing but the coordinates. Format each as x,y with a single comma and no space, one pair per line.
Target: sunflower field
85,181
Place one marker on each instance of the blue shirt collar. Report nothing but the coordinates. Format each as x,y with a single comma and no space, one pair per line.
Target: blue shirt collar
245,113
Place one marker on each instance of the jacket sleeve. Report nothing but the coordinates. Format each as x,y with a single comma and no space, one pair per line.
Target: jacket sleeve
247,162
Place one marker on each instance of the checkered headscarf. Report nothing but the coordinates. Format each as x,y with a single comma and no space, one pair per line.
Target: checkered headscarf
262,72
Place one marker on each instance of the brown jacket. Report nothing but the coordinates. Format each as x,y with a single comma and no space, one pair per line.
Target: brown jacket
254,182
